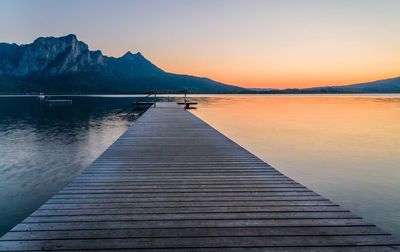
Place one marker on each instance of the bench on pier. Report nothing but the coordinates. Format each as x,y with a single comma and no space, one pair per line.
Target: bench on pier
187,104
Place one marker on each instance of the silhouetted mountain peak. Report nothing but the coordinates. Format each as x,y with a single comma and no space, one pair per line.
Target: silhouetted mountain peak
134,56
128,54
70,38
136,63
65,63
139,55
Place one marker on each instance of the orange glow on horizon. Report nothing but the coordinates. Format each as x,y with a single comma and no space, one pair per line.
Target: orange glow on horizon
330,69
281,83
297,66
261,44
288,77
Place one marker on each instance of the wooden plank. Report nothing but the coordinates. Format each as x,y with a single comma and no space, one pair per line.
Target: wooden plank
190,224
281,184
183,199
101,190
186,183
172,182
264,204
199,242
66,195
193,232
191,216
80,211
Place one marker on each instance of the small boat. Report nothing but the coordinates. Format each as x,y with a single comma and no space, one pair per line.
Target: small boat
41,96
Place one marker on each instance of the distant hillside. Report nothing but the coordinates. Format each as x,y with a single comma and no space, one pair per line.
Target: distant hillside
66,65
380,86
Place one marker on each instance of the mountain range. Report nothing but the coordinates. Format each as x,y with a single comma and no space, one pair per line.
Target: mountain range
66,65
391,85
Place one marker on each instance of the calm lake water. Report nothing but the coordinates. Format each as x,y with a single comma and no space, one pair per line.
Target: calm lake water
43,147
346,148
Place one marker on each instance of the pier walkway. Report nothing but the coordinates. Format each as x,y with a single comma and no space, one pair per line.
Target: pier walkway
171,183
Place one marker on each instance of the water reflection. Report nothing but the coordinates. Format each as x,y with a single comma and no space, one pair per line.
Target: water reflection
43,147
345,147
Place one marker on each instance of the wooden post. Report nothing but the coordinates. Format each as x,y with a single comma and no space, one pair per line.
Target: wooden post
155,99
185,101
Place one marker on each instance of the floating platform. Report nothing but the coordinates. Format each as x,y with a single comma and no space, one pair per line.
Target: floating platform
59,101
173,183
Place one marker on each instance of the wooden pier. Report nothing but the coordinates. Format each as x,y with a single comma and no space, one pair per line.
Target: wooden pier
173,183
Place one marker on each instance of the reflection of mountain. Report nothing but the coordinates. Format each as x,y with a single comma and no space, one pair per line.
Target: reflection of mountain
42,147
67,65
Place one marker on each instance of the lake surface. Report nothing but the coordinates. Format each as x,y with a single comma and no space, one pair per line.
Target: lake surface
346,148
43,147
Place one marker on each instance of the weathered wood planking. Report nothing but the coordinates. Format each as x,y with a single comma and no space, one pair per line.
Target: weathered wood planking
171,182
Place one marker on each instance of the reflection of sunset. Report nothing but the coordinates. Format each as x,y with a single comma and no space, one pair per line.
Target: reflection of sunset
345,147
364,126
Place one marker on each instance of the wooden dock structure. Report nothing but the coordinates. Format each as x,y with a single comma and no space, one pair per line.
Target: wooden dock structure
173,183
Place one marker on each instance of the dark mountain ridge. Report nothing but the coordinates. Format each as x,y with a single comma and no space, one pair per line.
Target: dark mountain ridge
66,65
391,85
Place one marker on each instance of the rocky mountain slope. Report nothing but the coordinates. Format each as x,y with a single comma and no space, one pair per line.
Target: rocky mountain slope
66,65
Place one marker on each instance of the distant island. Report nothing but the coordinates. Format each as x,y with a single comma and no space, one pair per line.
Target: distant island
66,65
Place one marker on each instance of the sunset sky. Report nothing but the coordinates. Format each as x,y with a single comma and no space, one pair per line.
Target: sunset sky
249,43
